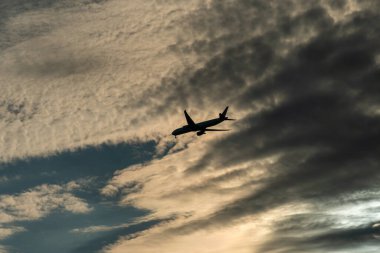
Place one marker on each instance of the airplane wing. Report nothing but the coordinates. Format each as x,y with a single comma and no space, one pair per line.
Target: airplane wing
190,122
210,129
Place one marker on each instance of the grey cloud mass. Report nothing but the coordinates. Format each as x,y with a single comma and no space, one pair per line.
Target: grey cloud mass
311,85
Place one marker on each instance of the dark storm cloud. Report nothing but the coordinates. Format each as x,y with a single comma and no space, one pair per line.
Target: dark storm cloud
314,107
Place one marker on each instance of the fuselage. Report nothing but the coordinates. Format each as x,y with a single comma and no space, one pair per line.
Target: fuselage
201,126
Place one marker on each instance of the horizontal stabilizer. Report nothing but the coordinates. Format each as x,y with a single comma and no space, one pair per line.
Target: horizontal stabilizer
210,129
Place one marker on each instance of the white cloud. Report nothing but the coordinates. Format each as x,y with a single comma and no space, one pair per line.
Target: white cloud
36,203
165,189
176,189
240,238
81,81
8,231
3,249
40,201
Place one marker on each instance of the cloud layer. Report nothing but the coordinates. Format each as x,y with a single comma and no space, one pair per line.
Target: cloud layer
40,201
299,171
81,81
37,203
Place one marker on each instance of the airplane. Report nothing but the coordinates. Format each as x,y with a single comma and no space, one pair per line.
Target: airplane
201,127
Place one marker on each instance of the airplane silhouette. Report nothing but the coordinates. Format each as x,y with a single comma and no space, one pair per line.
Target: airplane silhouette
201,127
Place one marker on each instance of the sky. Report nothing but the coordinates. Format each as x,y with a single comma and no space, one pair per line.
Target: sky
92,89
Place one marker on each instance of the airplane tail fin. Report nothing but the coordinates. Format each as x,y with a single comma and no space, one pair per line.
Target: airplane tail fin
223,115
190,122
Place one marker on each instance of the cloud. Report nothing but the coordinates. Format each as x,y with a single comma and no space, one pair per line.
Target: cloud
3,249
362,239
81,80
236,239
163,187
22,20
39,202
335,226
35,204
79,173
321,127
95,229
8,231
138,184
301,77
305,79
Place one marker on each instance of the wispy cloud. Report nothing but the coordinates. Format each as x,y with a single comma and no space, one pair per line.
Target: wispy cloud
163,187
95,229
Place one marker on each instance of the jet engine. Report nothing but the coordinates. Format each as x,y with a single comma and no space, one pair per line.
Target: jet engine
199,133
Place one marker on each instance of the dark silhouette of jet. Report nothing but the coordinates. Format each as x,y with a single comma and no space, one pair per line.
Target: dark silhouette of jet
201,127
